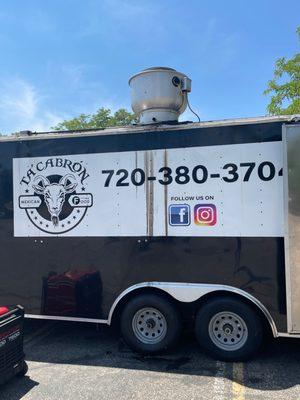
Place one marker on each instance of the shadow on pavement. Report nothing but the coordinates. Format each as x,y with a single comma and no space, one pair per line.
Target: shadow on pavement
277,367
18,387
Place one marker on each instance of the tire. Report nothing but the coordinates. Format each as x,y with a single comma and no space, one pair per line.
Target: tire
150,324
228,329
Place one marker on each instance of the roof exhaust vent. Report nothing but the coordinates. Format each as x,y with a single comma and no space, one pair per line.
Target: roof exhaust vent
159,94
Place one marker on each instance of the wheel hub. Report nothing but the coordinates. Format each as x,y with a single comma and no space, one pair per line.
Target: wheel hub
149,325
228,331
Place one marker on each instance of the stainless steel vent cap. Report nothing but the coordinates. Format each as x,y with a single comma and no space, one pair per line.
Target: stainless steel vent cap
159,94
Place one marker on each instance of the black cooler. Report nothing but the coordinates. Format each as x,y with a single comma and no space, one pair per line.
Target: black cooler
11,343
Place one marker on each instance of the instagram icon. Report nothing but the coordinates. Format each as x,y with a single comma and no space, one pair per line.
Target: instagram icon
205,214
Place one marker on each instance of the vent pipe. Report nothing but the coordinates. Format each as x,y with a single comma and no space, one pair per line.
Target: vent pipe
159,94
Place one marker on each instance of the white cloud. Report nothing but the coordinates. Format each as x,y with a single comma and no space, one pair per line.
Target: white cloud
18,98
23,108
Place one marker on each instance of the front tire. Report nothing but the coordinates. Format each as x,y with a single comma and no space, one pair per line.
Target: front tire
150,324
228,329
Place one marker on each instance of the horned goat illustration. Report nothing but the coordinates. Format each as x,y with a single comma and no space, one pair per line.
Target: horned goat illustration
54,193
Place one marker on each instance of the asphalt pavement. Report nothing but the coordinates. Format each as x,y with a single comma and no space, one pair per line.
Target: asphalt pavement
83,361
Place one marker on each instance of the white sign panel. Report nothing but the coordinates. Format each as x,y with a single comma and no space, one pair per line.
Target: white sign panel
230,190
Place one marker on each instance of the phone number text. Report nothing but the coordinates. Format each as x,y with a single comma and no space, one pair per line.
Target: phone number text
231,172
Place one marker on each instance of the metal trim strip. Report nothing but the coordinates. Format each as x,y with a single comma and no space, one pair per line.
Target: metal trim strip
188,292
288,335
74,319
184,292
150,128
286,229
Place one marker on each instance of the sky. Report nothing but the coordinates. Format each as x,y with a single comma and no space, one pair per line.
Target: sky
62,58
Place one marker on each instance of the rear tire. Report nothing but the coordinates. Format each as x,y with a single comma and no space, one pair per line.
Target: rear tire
150,324
228,329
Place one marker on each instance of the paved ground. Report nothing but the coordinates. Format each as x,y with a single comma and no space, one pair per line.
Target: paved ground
75,361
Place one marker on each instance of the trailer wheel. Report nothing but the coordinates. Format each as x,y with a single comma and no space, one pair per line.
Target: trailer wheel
150,324
228,329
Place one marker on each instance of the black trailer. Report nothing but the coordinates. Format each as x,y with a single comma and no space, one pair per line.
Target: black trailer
156,224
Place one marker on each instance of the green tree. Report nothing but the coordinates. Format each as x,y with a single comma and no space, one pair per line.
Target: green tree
285,86
102,118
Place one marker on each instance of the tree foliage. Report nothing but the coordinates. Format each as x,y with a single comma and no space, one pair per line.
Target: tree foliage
285,86
102,118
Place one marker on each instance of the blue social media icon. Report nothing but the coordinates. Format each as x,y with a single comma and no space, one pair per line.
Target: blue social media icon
179,215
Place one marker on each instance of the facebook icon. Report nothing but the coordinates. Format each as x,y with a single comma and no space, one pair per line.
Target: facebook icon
179,215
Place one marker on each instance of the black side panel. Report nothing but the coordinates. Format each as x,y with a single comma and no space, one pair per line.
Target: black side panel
113,264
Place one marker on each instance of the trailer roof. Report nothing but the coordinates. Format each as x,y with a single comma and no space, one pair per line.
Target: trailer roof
149,128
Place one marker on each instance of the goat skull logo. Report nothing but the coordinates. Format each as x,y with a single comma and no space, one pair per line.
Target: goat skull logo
54,193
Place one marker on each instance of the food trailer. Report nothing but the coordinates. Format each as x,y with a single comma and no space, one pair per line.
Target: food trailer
157,223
